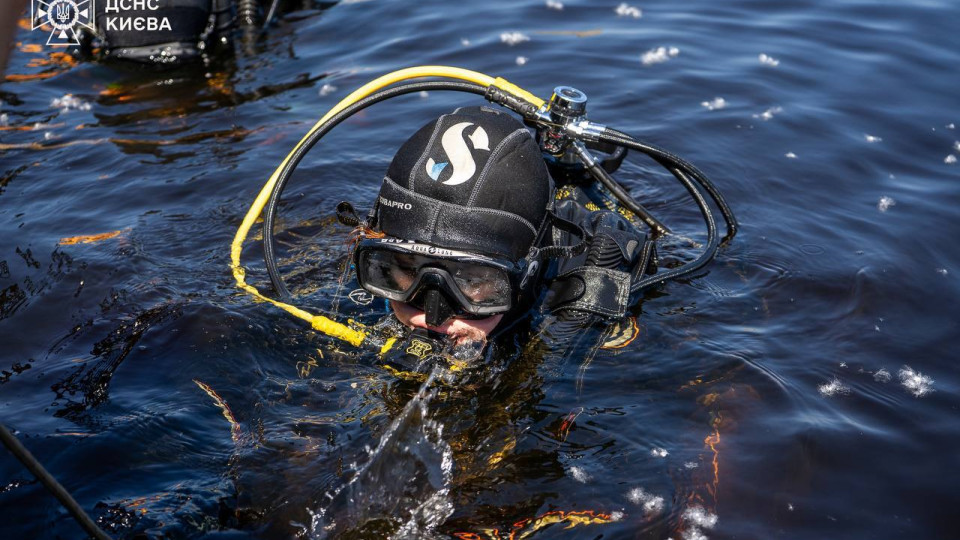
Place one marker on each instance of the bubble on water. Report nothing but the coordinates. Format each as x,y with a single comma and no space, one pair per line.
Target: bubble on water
626,10
768,114
69,102
882,376
659,55
885,203
917,383
691,464
791,155
768,60
659,452
716,104
513,38
942,271
554,4
950,160
652,504
832,388
580,475
698,519
872,138
465,42
521,60
327,89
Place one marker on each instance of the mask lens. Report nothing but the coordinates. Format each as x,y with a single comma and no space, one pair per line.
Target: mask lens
395,272
483,285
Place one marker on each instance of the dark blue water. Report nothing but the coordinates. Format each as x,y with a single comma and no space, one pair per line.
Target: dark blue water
804,387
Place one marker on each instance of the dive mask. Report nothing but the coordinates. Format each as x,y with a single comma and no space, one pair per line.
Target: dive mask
441,282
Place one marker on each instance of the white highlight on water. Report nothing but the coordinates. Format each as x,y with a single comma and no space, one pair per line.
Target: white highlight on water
521,60
872,138
68,102
768,60
833,388
659,452
691,464
553,4
626,10
616,515
917,383
652,504
715,104
465,42
882,376
4,120
698,519
885,203
950,160
327,89
580,475
513,38
659,55
791,155
942,271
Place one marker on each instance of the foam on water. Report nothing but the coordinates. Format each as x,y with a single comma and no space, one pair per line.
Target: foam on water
872,138
554,4
626,10
917,383
885,203
327,89
769,113
768,60
580,475
790,155
882,376
521,60
691,465
833,388
697,519
942,271
659,452
69,102
659,55
652,504
716,104
950,160
513,38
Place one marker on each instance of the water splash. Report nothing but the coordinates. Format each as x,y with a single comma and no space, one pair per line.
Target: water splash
698,519
834,387
403,490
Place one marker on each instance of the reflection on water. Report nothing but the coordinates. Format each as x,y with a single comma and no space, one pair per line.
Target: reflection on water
801,387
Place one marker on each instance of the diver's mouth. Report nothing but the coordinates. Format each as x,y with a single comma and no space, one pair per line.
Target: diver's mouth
462,330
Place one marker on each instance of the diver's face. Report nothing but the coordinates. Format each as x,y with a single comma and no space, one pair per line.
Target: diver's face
461,330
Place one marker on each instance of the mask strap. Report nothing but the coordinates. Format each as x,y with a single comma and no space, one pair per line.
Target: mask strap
537,256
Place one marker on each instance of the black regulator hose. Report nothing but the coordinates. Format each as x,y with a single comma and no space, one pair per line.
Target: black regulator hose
669,161
270,211
26,458
629,202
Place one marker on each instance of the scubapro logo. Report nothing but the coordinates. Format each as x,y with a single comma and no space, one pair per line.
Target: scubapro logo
459,154
63,17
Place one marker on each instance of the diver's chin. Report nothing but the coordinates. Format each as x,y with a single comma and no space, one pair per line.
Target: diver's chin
461,330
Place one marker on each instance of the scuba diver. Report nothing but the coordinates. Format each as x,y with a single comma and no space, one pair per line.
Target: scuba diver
468,229
477,221
173,32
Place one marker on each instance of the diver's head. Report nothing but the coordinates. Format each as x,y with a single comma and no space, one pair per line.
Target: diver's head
457,222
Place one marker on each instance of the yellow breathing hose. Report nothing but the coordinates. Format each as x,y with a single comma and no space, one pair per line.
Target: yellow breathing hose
320,323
